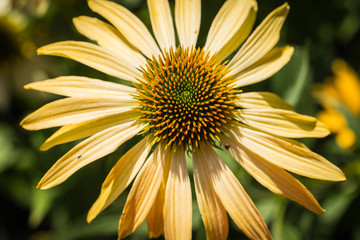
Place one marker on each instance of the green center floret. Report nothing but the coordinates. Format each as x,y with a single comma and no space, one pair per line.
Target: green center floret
185,98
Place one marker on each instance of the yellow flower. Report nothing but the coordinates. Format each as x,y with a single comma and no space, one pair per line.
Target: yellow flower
343,89
184,100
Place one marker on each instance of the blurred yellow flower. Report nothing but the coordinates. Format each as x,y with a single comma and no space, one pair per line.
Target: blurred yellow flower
342,89
183,100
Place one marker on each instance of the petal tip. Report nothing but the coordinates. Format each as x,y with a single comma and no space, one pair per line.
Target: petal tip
90,217
40,51
28,86
286,6
44,147
42,186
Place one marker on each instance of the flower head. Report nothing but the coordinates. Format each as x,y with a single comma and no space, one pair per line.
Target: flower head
341,90
183,100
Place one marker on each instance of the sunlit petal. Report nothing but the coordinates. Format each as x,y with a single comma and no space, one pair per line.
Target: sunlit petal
233,197
227,23
155,218
187,20
93,56
77,131
129,25
211,209
74,110
287,155
272,177
262,100
89,150
178,203
162,23
267,66
261,41
110,38
283,123
75,86
120,176
142,193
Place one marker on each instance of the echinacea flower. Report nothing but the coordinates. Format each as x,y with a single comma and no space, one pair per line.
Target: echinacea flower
341,90
183,101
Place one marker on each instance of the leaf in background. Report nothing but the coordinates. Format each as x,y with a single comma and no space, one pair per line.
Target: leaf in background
41,204
295,78
8,150
104,226
336,205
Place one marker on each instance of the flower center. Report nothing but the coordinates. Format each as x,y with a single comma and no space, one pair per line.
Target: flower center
185,98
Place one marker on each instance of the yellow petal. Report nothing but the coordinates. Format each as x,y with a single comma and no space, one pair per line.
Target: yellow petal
162,23
178,202
187,20
155,218
262,100
77,131
74,86
287,155
128,25
110,38
243,32
267,66
120,177
93,56
74,110
142,193
233,197
272,177
261,41
283,123
89,150
227,23
211,209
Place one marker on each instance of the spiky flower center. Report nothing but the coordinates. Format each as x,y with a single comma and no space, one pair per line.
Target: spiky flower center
185,98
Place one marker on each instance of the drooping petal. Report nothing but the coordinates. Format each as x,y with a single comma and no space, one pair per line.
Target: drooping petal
128,25
283,123
155,218
187,20
178,202
262,100
142,193
267,66
261,41
227,23
120,177
162,23
272,177
75,86
233,197
212,211
110,38
93,56
89,150
74,110
288,155
77,131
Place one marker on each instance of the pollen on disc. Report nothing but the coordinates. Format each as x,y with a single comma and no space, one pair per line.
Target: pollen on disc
185,97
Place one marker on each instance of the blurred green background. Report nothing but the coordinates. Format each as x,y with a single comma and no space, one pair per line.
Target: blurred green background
321,31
